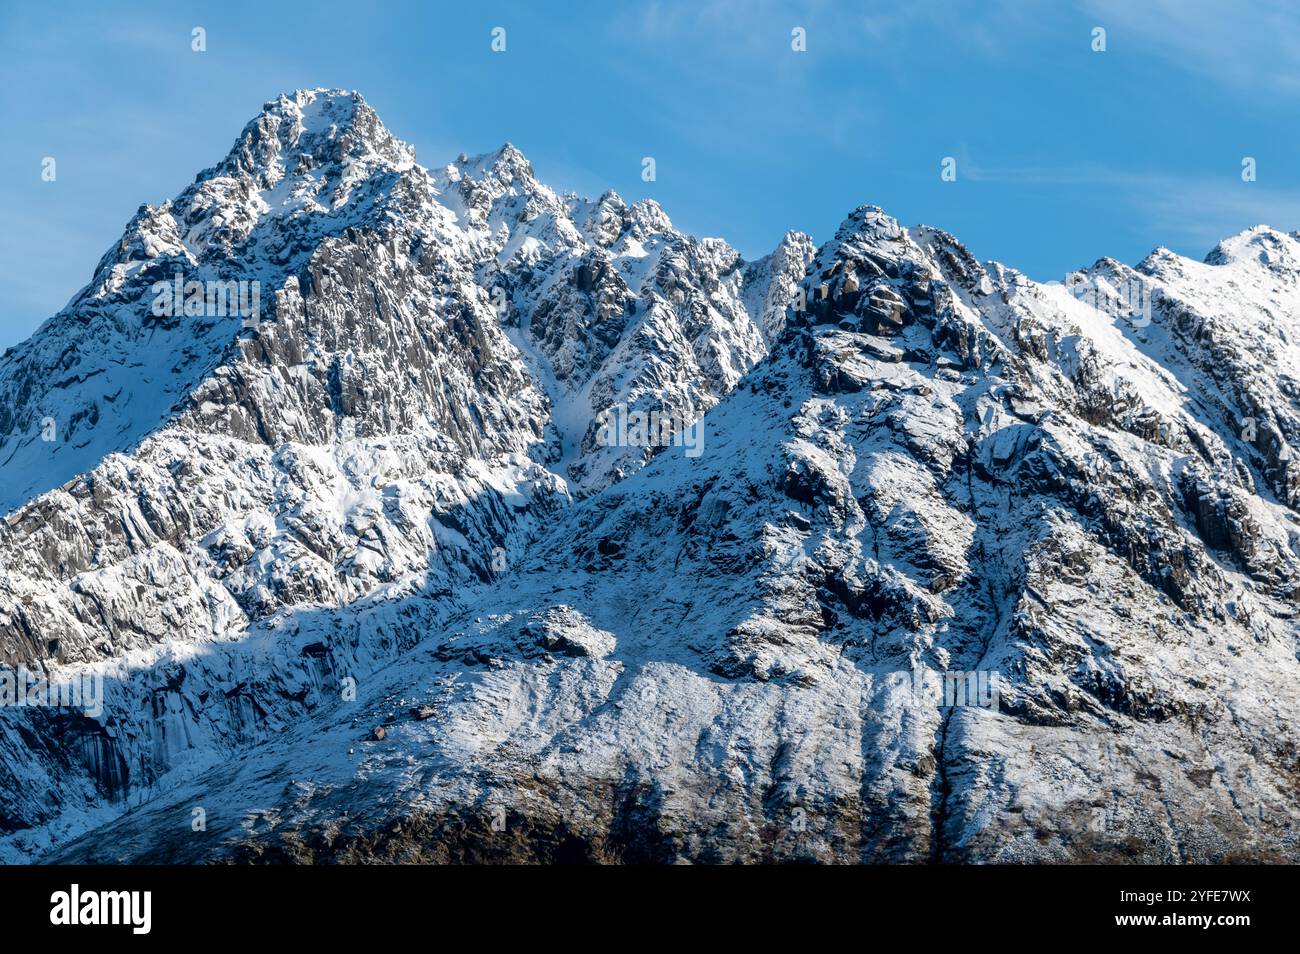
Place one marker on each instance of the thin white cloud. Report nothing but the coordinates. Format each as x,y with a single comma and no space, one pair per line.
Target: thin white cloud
1248,44
1187,211
1200,214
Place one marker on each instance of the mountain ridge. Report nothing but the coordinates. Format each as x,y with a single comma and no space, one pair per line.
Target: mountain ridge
914,463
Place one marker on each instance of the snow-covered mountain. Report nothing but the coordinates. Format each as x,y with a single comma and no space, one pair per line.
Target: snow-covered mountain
365,581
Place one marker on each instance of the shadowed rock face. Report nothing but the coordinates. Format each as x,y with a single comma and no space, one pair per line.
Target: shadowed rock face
970,568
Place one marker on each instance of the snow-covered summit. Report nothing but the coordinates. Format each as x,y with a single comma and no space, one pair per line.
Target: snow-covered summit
1260,245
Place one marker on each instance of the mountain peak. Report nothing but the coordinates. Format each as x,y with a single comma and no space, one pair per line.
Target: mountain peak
503,165
509,153
650,216
870,222
317,103
1260,244
307,129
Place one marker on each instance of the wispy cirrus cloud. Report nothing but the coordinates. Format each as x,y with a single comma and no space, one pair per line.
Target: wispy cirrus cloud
1200,213
1246,44
1189,210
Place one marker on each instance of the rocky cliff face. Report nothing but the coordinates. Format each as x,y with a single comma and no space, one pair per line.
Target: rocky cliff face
364,581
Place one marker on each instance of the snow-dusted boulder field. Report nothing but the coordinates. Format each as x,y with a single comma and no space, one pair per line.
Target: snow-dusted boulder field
954,567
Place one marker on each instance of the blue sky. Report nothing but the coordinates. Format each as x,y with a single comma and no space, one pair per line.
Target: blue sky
1063,154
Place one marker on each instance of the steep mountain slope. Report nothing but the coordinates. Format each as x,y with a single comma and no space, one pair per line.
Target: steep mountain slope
1073,502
